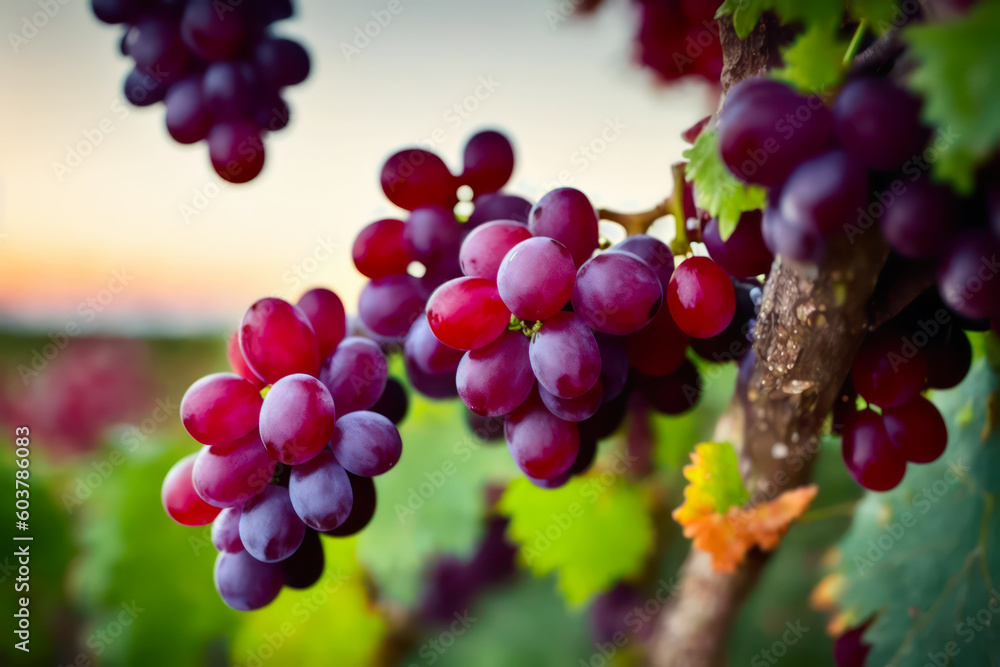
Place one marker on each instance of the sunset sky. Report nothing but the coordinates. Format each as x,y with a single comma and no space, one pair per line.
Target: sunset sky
107,228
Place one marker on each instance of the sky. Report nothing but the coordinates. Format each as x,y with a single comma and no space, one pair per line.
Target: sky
109,225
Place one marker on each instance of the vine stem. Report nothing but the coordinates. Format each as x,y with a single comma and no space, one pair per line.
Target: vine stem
639,223
852,48
636,223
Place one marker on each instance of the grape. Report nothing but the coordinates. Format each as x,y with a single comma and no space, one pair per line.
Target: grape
269,528
659,347
297,418
355,374
889,369
156,46
226,530
825,193
244,583
667,32
542,445
431,385
270,112
871,458
467,313
554,483
917,429
393,403
188,119
879,123
791,241
574,409
379,249
415,177
564,356
220,408
655,253
536,278
366,443
427,352
919,224
752,89
277,339
432,234
236,150
616,293
967,275
497,206
691,134
320,492
230,476
850,649
362,510
180,501
675,393
734,340
566,215
226,90
142,89
701,298
487,429
606,420
758,142
118,11
614,365
612,615
743,254
390,305
325,312
484,248
304,567
588,452
211,35
281,62
495,379
488,160
949,358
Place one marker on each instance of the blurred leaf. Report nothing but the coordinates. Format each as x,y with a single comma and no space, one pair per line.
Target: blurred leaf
958,77
746,13
591,532
333,622
878,13
714,482
433,501
813,62
924,558
715,188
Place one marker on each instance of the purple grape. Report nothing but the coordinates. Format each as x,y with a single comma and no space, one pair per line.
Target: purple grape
320,492
277,339
394,402
281,62
220,408
566,215
826,192
614,365
919,223
431,355
554,483
565,357
485,247
389,306
949,358
791,241
269,528
236,150
967,275
212,35
675,393
432,385
271,113
879,123
304,567
362,509
325,312
156,46
498,206
574,409
612,616
850,649
227,90
536,277
245,583
230,476
616,293
366,443
871,458
188,119
495,379
118,11
587,453
542,445
489,162
142,89
297,418
355,374
432,234
654,252
226,530
744,254
414,177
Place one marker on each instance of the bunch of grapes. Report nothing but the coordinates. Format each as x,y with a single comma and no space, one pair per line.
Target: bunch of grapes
218,68
678,38
860,167
290,445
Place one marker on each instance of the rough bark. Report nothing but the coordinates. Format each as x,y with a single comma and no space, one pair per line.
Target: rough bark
811,322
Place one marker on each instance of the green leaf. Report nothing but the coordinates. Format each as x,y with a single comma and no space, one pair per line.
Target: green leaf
925,557
715,188
432,502
746,13
958,76
813,62
878,13
592,532
714,482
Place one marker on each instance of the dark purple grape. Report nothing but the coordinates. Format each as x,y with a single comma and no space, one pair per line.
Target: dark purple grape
227,90
245,583
497,206
320,492
362,510
281,62
355,374
614,365
654,252
574,409
236,150
188,119
431,355
487,429
366,443
566,215
542,445
389,306
791,241
212,35
917,429
432,385
585,457
432,234
394,402
271,113
879,123
489,162
825,193
156,46
675,393
889,369
304,567
495,379
744,254
269,528
850,649
967,275
949,358
871,457
143,89
414,177
564,356
616,293
118,11
920,222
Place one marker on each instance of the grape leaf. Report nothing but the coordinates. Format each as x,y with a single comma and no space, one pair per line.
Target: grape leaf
714,482
746,13
958,77
715,188
432,502
814,61
878,13
592,532
924,558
